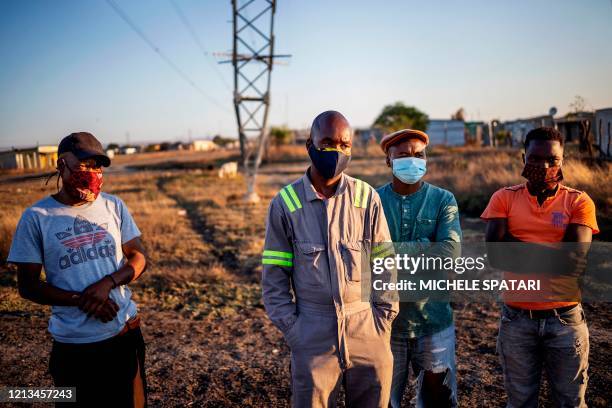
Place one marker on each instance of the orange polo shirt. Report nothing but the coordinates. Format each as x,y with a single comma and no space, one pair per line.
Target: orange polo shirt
531,222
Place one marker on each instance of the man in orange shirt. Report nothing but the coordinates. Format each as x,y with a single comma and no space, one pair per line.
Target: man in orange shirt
536,335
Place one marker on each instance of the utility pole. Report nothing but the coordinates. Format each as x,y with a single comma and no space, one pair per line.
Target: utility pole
252,60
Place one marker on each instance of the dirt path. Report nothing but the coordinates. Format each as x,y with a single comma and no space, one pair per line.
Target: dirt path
209,342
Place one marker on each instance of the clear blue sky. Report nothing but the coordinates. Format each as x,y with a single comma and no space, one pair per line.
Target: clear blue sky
71,65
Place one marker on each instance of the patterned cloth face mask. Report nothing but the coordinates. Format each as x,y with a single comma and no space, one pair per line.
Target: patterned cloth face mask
542,178
84,184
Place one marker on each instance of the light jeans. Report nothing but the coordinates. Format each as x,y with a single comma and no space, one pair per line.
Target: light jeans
433,361
558,344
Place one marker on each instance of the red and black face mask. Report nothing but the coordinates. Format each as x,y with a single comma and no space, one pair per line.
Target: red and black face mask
84,185
542,178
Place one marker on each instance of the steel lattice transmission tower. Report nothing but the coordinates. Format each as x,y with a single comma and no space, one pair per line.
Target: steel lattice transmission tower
253,59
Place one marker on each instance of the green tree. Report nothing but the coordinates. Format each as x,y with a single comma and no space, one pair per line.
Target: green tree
280,135
222,141
399,116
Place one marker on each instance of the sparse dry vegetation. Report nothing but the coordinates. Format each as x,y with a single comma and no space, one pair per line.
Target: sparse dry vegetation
209,341
474,174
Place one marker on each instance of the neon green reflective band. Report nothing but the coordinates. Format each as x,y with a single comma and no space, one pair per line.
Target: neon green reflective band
358,193
380,248
271,261
383,254
364,200
294,196
333,149
287,200
278,254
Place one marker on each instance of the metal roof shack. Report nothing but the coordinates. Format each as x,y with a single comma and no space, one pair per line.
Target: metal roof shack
39,157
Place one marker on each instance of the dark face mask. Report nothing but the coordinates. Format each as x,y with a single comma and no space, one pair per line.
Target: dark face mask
542,178
328,162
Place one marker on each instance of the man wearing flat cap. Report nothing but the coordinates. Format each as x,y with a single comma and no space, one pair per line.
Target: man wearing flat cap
90,249
420,215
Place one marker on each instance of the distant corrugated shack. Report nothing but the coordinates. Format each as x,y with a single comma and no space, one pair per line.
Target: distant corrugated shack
575,126
446,132
603,132
39,157
477,133
203,145
520,127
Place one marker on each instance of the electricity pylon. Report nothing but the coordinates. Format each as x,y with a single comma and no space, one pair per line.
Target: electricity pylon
253,57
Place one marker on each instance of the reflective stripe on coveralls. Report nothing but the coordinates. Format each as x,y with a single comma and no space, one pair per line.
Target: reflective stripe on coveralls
271,258
287,192
361,194
312,278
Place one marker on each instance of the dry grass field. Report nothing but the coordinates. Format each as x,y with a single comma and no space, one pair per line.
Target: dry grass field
209,342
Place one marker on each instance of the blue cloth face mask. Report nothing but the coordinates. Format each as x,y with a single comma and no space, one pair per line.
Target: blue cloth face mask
409,170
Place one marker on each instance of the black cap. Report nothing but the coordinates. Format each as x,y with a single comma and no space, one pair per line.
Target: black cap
84,146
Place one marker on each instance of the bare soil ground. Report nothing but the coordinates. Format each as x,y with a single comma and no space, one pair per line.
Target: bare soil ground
209,342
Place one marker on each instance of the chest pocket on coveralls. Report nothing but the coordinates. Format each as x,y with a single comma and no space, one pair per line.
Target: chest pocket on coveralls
311,264
425,228
351,257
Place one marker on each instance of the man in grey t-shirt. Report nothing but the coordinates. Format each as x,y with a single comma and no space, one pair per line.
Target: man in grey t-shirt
90,248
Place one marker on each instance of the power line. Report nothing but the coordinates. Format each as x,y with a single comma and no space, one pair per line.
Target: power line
198,42
162,55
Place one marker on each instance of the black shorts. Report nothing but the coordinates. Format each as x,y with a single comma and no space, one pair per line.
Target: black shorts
105,373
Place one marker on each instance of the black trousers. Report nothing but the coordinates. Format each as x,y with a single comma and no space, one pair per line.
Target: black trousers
105,373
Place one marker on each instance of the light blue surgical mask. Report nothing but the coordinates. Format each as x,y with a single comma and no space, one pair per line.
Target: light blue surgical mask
409,170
